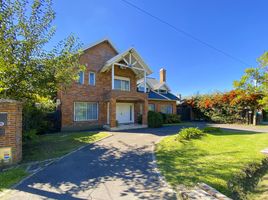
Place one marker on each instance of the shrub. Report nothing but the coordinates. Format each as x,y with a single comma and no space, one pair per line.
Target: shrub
211,129
139,120
155,119
189,133
171,118
246,181
29,135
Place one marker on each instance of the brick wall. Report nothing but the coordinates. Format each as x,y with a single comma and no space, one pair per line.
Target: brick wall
13,129
159,103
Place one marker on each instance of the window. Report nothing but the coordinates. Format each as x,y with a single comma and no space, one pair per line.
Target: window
81,78
121,83
151,107
141,89
167,109
85,111
91,79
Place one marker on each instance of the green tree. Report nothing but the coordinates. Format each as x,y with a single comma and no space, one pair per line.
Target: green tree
255,80
27,68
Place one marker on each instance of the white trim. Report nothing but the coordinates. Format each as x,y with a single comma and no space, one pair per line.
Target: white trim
112,76
87,119
108,112
94,82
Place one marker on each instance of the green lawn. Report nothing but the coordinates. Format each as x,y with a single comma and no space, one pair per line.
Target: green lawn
261,192
12,176
212,159
46,147
56,145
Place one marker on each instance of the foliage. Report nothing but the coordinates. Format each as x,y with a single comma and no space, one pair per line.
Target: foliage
38,117
139,119
246,181
29,135
228,107
212,160
170,118
155,119
190,133
211,129
255,80
27,68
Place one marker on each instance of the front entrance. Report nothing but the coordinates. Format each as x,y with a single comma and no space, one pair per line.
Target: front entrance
125,113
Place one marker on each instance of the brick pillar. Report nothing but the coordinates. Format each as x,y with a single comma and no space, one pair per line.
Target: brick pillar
145,112
112,113
10,130
174,108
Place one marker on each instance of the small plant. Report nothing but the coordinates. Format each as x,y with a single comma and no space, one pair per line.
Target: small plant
211,129
29,135
190,133
155,120
116,123
139,120
171,118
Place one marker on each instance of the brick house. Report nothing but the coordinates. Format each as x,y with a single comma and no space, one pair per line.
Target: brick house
106,92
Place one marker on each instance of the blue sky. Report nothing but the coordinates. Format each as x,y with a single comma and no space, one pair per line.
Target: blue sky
238,27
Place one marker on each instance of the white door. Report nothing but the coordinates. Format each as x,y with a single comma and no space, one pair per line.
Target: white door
125,112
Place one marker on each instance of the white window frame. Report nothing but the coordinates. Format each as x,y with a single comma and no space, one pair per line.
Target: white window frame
87,119
83,79
94,82
123,79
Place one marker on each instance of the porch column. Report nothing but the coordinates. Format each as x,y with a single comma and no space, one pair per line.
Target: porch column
112,76
145,112
145,81
112,113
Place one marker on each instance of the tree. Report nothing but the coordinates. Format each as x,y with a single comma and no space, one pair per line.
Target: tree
255,80
27,68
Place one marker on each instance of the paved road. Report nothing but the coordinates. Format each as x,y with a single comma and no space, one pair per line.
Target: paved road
118,167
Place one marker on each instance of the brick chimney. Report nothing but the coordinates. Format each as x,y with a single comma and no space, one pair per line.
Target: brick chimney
162,75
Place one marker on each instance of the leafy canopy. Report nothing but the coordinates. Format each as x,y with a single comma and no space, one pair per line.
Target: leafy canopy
27,68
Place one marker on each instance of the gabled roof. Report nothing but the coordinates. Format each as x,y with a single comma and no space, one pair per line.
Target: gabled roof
154,84
99,42
122,56
162,96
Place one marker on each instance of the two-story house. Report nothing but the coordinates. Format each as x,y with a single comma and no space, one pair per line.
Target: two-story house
106,93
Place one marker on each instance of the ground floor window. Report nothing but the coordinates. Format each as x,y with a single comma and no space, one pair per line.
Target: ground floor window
151,107
85,111
167,109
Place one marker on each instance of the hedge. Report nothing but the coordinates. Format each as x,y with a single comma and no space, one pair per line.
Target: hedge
155,120
246,181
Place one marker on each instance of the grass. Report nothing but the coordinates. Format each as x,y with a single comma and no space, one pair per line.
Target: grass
261,192
55,145
11,176
47,147
213,159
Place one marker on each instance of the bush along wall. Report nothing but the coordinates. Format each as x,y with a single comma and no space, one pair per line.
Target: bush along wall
170,118
155,120
246,181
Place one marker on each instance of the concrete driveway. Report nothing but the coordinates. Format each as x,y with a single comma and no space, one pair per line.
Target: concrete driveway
118,167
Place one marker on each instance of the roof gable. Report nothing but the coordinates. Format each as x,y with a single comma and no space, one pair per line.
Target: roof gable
99,42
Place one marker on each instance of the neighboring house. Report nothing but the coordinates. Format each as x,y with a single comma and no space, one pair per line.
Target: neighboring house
106,92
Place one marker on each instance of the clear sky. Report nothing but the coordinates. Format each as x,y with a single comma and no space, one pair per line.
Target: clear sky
238,27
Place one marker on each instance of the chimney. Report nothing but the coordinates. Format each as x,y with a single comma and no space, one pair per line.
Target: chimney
162,75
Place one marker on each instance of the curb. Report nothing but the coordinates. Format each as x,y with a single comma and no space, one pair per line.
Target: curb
53,160
156,169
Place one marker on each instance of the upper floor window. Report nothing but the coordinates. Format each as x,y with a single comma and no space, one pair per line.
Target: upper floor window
121,83
163,91
167,109
91,79
81,77
141,89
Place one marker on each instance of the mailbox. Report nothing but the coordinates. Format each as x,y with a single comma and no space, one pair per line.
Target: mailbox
3,123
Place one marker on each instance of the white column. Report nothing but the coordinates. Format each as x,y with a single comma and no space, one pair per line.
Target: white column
112,76
145,81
